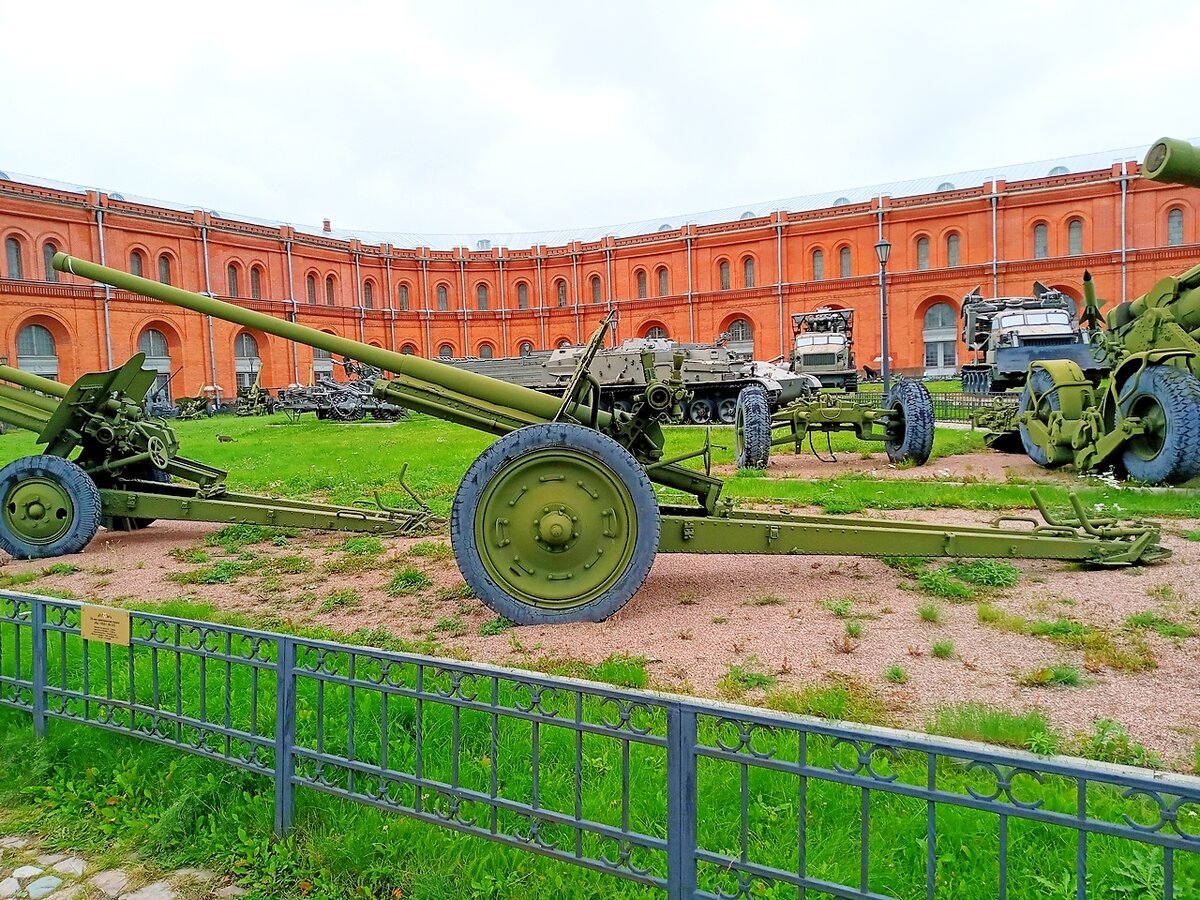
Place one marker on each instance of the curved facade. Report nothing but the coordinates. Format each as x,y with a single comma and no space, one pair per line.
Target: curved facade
688,283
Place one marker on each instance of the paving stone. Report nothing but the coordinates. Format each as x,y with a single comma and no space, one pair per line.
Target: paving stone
74,866
67,893
188,874
49,859
160,890
12,842
26,872
9,887
231,890
110,883
43,887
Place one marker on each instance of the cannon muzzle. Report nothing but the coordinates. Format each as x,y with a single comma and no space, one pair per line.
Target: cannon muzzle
1172,161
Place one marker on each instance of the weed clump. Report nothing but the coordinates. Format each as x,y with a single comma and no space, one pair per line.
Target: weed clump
942,650
495,626
980,722
1052,676
340,599
407,581
896,675
742,677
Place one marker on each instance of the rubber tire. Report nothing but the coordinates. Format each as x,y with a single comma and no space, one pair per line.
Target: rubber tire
145,472
84,494
912,399
752,428
706,408
1177,391
1040,381
587,442
850,383
727,410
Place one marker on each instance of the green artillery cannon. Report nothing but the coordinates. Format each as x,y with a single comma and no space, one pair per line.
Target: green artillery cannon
558,519
1145,417
904,424
126,471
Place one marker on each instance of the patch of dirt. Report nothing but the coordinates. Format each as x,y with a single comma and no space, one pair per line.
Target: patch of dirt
698,615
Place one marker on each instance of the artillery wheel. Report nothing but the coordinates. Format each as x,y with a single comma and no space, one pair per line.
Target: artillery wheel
1167,400
51,507
727,410
701,411
1041,395
752,428
912,417
555,523
143,472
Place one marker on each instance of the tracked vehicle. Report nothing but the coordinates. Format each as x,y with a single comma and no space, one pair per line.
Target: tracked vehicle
558,520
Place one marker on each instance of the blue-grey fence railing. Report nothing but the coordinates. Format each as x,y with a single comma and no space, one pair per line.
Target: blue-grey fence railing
692,797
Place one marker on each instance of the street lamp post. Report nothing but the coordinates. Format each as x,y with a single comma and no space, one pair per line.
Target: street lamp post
883,250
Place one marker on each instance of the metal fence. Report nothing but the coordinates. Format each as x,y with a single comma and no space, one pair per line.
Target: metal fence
695,798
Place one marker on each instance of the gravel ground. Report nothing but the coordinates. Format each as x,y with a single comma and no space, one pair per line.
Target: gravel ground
698,615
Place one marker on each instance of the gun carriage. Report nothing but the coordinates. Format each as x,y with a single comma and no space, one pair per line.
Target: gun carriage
559,520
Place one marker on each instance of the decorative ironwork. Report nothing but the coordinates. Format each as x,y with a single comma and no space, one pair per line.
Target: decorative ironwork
757,804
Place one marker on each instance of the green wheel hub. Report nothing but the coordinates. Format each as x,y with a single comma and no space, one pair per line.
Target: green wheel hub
555,528
1149,443
39,510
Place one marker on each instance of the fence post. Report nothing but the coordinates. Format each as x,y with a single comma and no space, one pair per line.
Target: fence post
39,664
681,802
285,734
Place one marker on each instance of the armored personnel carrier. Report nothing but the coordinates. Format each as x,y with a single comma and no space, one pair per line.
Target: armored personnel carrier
1007,334
823,347
714,374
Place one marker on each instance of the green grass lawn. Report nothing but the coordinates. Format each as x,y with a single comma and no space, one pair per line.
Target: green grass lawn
96,790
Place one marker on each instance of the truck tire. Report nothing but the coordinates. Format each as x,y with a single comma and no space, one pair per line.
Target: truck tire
752,428
1168,398
48,507
1040,382
911,400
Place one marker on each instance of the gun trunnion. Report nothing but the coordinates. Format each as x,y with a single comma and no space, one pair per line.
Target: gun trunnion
558,520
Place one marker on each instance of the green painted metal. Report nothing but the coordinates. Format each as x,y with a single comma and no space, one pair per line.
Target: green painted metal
554,529
39,510
1174,161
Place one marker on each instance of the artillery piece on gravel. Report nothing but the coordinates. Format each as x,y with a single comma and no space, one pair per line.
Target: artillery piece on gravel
1145,417
107,463
558,519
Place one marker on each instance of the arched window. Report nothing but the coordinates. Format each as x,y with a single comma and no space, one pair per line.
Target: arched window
12,252
560,288
723,271
740,330
255,283
408,350
48,251
1175,227
844,262
641,284
310,288
525,349
36,352
485,351
137,263
664,281
231,276
1075,237
322,364
481,296
158,359
443,298
1041,241
818,265
330,297
369,294
246,362
596,289
445,351
656,331
402,296
952,256
748,272
522,295
940,335
922,253
563,343
164,268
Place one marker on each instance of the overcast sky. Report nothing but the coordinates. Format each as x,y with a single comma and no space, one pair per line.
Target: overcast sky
449,116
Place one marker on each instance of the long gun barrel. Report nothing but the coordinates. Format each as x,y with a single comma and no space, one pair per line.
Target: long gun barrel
1172,161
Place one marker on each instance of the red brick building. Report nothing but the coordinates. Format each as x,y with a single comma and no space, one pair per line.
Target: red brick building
745,273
